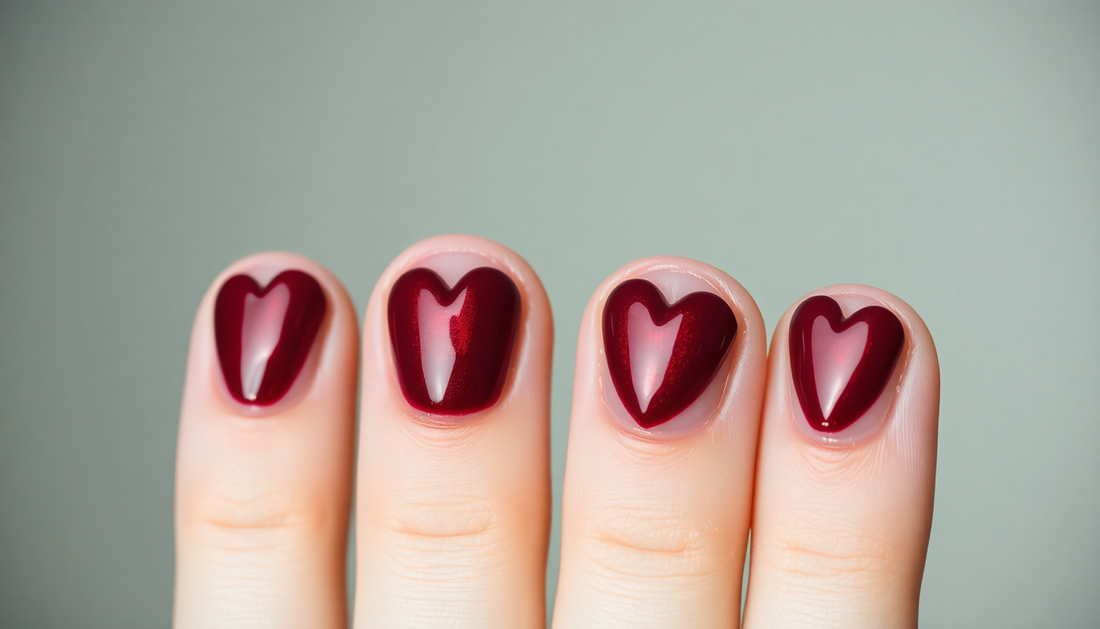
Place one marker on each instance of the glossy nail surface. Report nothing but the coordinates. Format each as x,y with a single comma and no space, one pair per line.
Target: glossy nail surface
661,358
841,366
452,346
264,335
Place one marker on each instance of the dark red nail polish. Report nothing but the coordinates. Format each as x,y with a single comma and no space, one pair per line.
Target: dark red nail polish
452,346
264,335
662,357
841,366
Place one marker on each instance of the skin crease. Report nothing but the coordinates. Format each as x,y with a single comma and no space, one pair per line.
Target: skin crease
453,517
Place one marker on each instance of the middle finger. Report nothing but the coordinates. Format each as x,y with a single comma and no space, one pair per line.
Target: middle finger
454,449
662,443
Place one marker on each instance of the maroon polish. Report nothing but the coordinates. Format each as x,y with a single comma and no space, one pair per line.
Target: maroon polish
841,366
452,346
264,335
661,357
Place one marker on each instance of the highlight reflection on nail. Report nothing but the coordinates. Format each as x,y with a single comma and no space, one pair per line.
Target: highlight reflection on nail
841,366
452,346
660,357
264,335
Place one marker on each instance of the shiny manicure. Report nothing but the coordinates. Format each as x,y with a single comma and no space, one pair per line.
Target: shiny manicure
452,346
264,335
841,366
661,357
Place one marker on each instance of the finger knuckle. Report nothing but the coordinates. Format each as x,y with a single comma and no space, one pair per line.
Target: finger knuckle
654,543
813,556
449,534
254,519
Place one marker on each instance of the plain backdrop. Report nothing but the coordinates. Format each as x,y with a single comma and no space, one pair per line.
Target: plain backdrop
949,153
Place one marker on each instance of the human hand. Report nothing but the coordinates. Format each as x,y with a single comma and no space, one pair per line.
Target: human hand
685,431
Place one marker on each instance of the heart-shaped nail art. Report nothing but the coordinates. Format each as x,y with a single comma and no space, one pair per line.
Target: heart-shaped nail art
661,357
841,366
452,346
264,335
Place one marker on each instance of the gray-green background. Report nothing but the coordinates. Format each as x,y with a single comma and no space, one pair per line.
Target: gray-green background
949,153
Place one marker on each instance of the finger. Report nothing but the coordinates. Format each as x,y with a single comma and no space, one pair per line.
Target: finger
263,473
659,473
846,466
454,473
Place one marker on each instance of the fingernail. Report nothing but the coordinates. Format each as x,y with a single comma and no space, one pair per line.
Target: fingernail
452,346
841,366
662,357
264,335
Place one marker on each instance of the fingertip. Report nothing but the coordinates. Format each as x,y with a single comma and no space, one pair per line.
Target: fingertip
330,357
737,378
909,392
452,255
403,373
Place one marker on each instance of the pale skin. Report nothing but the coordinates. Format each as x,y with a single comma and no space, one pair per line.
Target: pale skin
453,518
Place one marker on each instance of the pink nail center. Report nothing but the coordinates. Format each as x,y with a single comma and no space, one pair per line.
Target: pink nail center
836,356
261,328
437,351
650,351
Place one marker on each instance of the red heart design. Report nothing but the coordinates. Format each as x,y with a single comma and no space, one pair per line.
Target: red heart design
661,357
264,336
452,346
841,366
